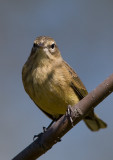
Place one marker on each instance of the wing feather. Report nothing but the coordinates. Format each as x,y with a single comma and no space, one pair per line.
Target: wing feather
76,83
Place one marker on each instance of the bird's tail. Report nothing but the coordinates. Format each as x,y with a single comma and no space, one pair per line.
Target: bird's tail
93,122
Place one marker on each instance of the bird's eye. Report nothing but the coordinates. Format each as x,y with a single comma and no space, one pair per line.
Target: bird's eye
53,46
35,45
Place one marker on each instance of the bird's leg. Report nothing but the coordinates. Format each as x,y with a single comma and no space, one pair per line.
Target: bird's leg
68,113
44,130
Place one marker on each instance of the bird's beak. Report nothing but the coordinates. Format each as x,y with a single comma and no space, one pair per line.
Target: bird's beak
40,45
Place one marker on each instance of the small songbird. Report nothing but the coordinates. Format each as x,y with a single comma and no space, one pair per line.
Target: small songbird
52,84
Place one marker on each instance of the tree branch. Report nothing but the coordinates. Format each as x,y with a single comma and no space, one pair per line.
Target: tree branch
47,139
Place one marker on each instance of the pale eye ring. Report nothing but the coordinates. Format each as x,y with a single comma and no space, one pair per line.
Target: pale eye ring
53,46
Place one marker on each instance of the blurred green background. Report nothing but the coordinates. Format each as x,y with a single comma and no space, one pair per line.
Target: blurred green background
83,30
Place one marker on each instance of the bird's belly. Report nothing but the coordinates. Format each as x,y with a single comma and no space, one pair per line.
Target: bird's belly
54,100
51,93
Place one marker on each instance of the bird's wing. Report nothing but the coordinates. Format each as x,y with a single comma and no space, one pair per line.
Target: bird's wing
92,121
76,83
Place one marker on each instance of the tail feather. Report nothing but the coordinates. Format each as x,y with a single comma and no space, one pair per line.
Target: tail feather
94,123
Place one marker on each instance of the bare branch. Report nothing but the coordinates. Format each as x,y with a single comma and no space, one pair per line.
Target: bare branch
63,125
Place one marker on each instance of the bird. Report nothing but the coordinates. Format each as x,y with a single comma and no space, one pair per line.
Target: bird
52,84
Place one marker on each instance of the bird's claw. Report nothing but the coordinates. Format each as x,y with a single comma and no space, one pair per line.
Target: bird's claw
38,135
68,113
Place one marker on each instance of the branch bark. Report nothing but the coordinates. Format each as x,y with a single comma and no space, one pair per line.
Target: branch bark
47,139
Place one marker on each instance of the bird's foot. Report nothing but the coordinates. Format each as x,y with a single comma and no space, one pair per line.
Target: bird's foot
39,135
44,130
68,114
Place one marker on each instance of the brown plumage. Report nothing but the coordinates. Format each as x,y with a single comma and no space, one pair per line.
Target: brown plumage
52,84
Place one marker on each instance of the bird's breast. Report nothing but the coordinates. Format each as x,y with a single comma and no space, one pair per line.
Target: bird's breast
50,89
